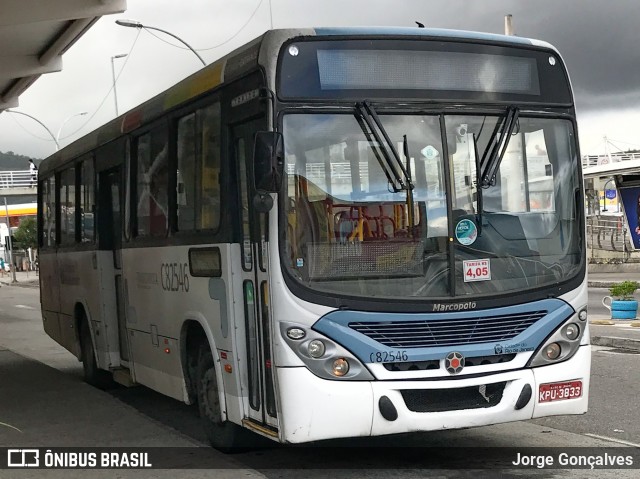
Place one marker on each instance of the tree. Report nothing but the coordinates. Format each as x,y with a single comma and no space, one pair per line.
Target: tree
26,236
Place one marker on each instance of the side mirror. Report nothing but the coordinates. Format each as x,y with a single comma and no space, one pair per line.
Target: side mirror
268,161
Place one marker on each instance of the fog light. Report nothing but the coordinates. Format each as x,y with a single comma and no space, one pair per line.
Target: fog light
296,333
316,348
571,331
340,367
552,351
583,315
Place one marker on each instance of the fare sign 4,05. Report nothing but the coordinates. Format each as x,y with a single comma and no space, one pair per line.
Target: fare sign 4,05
476,270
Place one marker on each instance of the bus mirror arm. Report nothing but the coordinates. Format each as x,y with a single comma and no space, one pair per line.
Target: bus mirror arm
268,161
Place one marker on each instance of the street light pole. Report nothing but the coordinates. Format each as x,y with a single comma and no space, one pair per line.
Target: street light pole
13,267
41,124
82,113
113,76
134,24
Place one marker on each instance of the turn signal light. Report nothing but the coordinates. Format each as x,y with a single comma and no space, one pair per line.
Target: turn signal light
340,367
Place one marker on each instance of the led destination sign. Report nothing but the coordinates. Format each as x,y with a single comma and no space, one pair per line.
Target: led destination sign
421,69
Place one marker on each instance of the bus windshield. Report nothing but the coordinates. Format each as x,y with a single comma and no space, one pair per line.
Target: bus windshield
351,232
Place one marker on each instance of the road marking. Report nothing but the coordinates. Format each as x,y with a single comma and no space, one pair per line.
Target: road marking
613,439
617,351
9,425
22,306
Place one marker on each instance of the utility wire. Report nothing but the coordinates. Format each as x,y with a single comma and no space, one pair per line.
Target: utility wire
108,92
13,117
253,14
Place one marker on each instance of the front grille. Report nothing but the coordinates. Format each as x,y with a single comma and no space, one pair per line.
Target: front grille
413,366
438,400
435,364
429,333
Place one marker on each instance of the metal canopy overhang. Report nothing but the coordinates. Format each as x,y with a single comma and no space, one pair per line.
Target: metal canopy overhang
34,35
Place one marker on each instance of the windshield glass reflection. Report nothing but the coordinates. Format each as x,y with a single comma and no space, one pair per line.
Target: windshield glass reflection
350,231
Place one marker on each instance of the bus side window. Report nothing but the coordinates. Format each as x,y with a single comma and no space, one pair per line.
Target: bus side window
49,214
87,201
186,173
152,183
67,206
210,132
198,203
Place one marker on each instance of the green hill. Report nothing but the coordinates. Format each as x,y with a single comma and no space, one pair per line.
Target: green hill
11,161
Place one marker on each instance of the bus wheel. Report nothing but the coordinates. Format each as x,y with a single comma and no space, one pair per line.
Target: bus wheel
92,374
221,434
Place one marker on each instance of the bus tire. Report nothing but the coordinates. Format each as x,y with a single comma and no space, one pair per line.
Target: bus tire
92,374
222,435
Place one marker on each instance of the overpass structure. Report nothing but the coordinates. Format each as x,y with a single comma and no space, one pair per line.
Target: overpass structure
599,166
34,35
17,183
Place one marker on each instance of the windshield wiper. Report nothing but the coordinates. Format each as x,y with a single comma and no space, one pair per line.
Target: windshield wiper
479,204
497,147
405,149
398,176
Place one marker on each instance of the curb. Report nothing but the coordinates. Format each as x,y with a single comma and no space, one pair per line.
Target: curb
618,343
602,322
600,284
28,284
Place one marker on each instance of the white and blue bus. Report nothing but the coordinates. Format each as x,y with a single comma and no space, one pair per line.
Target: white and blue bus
332,233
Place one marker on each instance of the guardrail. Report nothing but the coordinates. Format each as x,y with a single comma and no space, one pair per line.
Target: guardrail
17,179
608,233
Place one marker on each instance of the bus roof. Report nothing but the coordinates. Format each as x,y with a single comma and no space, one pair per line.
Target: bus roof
432,33
258,51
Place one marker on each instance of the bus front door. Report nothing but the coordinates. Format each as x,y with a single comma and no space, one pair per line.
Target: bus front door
255,285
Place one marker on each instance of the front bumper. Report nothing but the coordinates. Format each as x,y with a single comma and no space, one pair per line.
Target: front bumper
315,409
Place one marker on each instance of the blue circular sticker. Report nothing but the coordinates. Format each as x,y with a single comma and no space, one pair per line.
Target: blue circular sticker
466,232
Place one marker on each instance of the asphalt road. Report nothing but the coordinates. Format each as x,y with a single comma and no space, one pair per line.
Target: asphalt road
612,417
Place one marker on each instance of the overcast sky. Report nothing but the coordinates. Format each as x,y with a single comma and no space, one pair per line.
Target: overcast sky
598,39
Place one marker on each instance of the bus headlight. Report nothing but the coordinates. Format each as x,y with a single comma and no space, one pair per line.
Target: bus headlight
561,345
322,356
553,351
316,348
571,331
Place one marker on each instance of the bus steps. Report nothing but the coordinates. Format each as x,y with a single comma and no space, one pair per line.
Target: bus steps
123,376
260,428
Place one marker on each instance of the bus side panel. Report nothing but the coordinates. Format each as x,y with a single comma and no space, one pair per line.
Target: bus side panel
156,361
50,293
80,282
151,308
162,294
